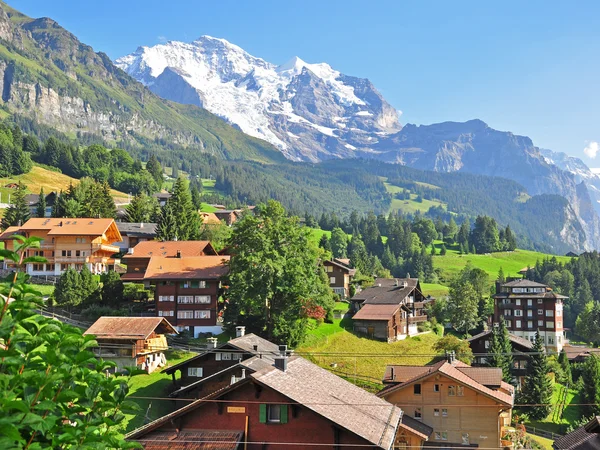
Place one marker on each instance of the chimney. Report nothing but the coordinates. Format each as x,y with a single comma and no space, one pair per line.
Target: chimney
212,342
142,225
178,253
281,359
392,373
451,357
240,331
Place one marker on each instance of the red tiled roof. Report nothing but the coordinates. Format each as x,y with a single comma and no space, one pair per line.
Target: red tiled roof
376,312
147,249
192,440
192,267
128,328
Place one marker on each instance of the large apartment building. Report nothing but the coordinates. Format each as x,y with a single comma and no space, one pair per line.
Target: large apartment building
526,307
186,276
68,243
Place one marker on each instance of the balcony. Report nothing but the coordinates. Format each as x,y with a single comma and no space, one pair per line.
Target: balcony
70,259
419,305
157,344
417,319
106,248
506,305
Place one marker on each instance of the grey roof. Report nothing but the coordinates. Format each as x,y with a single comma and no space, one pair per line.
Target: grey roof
336,399
416,425
137,229
248,341
523,283
386,292
514,339
579,439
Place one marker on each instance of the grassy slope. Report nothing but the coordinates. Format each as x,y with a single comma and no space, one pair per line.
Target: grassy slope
511,262
156,384
48,179
410,206
570,414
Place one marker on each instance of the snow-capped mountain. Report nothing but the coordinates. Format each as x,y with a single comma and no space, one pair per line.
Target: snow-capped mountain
310,111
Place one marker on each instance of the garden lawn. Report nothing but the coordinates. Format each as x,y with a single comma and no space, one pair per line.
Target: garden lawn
339,347
46,289
545,443
435,290
156,384
570,414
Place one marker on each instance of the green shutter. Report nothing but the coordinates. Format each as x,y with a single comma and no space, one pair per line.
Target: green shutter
195,284
283,414
181,284
262,413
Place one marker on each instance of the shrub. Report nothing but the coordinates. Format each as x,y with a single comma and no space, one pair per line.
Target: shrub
329,316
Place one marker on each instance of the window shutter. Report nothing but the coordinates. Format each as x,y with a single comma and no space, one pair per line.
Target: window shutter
262,413
218,356
283,417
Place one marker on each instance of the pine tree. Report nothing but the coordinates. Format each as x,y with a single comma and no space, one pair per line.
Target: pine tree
591,384
155,169
501,278
563,360
166,229
68,288
324,243
141,209
339,243
511,240
506,347
538,388
18,212
433,250
40,208
443,250
112,288
187,220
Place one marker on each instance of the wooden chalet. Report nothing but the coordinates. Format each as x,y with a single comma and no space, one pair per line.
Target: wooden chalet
389,310
480,345
465,406
285,401
132,341
340,275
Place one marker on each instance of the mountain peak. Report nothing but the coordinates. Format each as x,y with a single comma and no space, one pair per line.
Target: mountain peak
294,65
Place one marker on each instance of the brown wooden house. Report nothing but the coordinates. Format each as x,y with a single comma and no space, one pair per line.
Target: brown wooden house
132,341
288,403
465,406
480,345
340,275
389,310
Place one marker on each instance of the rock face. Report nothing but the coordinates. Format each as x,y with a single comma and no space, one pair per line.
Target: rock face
310,112
49,76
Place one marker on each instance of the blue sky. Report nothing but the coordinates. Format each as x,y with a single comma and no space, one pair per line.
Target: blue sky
530,67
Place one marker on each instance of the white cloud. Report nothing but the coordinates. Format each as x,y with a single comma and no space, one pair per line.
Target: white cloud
591,149
162,39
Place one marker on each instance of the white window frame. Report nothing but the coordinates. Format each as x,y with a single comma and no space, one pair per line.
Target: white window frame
540,312
166,298
166,313
550,324
331,280
518,302
549,313
460,390
202,314
436,412
418,414
202,299
195,372
518,313
185,299
185,314
518,324
444,412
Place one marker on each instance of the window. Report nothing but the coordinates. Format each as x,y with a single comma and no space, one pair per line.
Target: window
202,314
436,412
185,314
194,371
518,324
185,285
487,344
80,240
558,339
185,299
166,298
38,267
518,312
549,313
507,312
529,302
529,313
518,302
542,339
444,412
558,324
540,323
540,301
530,324
508,323
169,313
273,413
540,312
465,438
417,389
550,340
331,280
558,313
460,391
436,388
418,414
451,391
328,269
202,298
549,324
438,436
444,435
66,253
